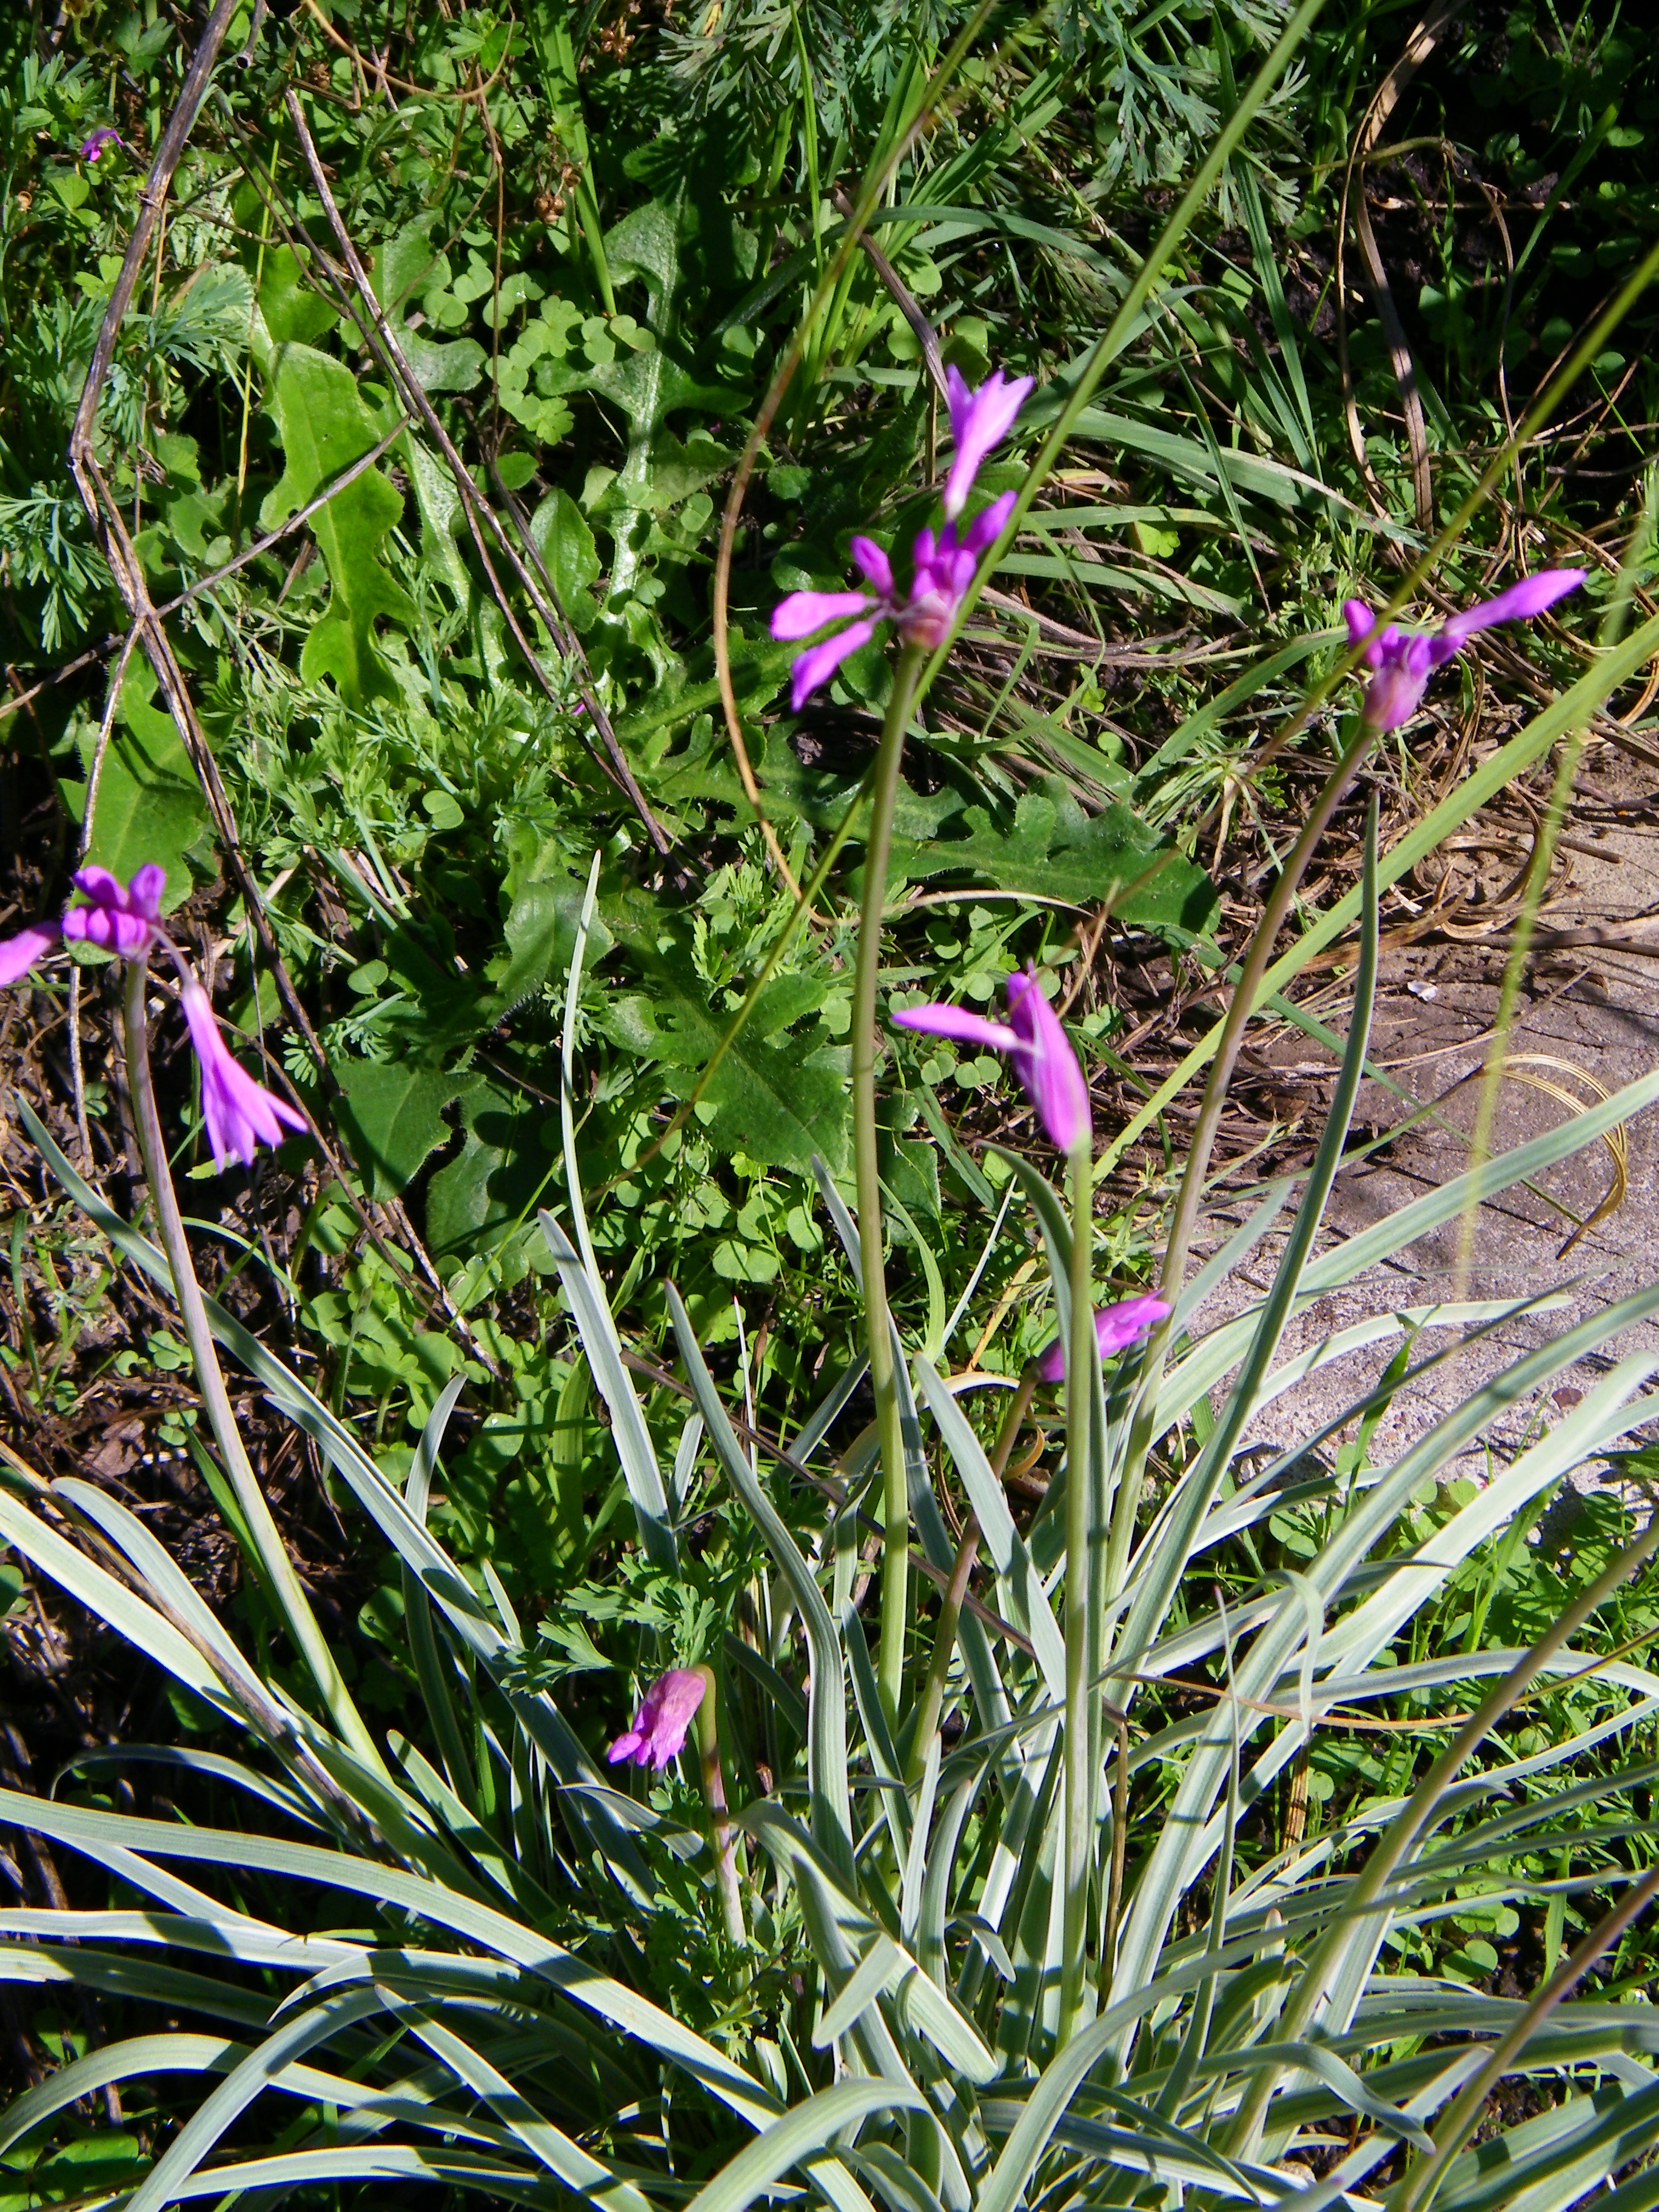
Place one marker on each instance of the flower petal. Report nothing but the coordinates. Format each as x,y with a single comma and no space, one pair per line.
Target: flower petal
111,928
239,1114
809,670
1530,597
99,887
956,1021
873,565
987,528
1048,1066
666,1713
803,612
144,891
979,421
19,954
1116,1328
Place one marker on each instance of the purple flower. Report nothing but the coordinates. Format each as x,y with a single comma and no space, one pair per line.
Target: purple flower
1116,1328
943,568
1034,1040
240,1113
92,147
660,1724
1402,659
124,922
978,420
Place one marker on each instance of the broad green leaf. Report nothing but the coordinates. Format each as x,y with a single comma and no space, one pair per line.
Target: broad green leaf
325,426
1054,849
393,1115
496,1176
149,805
777,1103
405,268
293,313
540,930
560,530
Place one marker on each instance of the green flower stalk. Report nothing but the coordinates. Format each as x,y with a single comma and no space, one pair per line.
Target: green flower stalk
944,567
1037,1043
884,1381
290,1599
674,1701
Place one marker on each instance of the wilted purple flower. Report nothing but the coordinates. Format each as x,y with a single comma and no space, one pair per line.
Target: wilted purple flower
1116,1328
942,569
240,1113
978,420
1034,1040
1403,660
92,147
125,921
660,1724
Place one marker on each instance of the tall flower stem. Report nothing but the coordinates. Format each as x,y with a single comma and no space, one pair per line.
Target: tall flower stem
1082,1359
956,1590
895,1505
722,1838
278,1569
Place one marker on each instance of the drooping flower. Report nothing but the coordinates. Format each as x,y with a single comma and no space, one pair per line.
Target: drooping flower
1116,1328
979,421
1403,661
93,145
239,1114
1034,1040
659,1726
125,921
943,568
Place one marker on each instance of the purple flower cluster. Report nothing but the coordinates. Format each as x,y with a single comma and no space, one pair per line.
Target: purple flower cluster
93,146
239,1114
942,565
1403,661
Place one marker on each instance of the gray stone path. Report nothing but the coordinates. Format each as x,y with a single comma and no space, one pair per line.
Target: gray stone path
1593,1008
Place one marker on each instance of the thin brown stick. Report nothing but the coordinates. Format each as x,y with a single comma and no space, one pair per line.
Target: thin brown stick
903,298
110,530
1419,47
